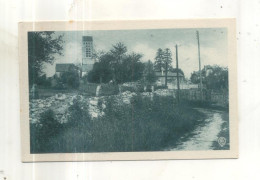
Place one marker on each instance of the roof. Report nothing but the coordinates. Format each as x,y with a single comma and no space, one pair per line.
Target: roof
170,74
65,67
87,38
87,67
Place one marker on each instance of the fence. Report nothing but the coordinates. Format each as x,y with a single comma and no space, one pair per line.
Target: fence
220,98
88,88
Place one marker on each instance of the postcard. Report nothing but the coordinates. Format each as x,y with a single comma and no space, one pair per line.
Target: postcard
128,90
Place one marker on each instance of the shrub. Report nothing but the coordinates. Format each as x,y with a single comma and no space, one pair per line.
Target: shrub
42,134
143,125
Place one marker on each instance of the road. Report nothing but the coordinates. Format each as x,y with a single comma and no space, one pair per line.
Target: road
202,138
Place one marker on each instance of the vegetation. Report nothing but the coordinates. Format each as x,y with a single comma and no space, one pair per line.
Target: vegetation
42,133
149,73
163,61
42,47
144,125
117,65
70,79
213,77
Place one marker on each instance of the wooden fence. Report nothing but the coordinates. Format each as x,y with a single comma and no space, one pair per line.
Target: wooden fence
220,98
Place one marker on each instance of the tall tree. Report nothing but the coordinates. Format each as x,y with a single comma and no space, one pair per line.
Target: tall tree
118,52
42,48
117,65
132,68
167,62
159,60
149,73
102,71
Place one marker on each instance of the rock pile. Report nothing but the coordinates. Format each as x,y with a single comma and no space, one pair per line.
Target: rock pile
60,104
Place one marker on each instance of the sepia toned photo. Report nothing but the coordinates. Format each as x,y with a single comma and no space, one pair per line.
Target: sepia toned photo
128,90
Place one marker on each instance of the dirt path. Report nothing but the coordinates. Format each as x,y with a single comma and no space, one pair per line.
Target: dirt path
202,138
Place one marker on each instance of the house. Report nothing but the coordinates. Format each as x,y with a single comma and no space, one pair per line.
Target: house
64,67
171,76
87,60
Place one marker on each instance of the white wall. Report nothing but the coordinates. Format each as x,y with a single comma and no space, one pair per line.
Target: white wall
248,36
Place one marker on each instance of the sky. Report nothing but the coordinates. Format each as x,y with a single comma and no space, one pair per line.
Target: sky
213,45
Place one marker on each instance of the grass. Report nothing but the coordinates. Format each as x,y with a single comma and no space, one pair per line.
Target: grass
144,125
223,133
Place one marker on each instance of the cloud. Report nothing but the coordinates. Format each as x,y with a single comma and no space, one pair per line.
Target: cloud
72,53
148,52
188,57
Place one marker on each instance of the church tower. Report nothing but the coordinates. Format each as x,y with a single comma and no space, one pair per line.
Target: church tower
87,54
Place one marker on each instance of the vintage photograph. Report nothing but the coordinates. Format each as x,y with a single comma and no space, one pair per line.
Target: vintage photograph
128,90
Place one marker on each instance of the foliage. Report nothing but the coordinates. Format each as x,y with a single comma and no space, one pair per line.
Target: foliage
131,68
70,78
44,81
102,71
174,70
42,48
217,79
42,134
149,73
163,60
117,65
213,77
159,60
143,125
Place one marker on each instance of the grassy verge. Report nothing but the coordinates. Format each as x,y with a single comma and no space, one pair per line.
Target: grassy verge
223,133
143,125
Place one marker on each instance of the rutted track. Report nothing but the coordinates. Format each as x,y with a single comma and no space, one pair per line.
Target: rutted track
202,138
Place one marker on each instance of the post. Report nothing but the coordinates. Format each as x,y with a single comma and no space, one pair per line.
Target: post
177,68
166,73
198,38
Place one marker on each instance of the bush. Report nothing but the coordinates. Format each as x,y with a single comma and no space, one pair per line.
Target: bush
42,134
160,123
143,125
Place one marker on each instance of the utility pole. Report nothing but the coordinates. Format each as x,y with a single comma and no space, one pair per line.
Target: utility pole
167,56
177,68
166,73
198,38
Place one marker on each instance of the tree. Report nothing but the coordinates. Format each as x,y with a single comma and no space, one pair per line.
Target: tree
163,61
102,71
149,73
213,77
131,68
71,77
42,48
216,78
174,70
118,66
167,60
118,52
159,61
194,78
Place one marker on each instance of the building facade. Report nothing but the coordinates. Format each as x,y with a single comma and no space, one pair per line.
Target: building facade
87,54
